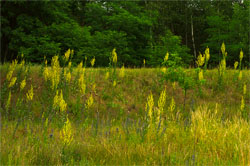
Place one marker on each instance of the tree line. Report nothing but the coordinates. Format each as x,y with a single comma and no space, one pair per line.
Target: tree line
138,30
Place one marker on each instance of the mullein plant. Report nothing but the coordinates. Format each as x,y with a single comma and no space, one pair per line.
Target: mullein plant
199,71
207,57
113,61
240,67
164,63
242,105
222,65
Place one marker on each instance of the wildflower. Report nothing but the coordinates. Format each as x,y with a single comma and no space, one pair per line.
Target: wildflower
200,60
236,65
81,84
240,75
244,89
201,75
144,62
166,57
122,72
173,84
68,77
8,101
92,62
9,75
241,55
55,72
89,102
242,105
72,53
149,106
114,56
23,84
46,62
22,63
164,69
12,82
46,73
114,83
30,94
107,75
56,100
223,64
62,103
66,134
172,105
207,55
223,48
69,65
161,103
66,55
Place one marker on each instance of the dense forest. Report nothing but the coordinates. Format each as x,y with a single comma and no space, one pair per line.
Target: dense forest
137,29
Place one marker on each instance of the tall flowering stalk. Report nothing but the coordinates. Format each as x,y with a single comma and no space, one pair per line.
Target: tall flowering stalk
222,65
114,62
66,133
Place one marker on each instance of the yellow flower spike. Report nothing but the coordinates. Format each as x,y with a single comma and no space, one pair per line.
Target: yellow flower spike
149,106
46,73
66,134
66,55
89,102
9,75
72,53
166,57
223,48
114,83
22,63
200,60
68,77
164,69
207,54
242,105
69,65
56,100
240,76
12,82
62,103
144,62
172,105
23,84
244,89
223,64
8,101
122,72
236,65
161,103
92,62
241,55
173,84
201,75
107,75
30,94
114,56
81,84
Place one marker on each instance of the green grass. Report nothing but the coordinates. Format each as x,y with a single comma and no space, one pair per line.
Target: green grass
211,130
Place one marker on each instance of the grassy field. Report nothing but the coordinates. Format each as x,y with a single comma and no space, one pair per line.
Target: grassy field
117,116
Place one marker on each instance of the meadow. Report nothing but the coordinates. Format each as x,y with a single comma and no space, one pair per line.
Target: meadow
60,114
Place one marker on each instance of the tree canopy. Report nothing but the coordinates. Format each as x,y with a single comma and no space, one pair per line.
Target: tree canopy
137,29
